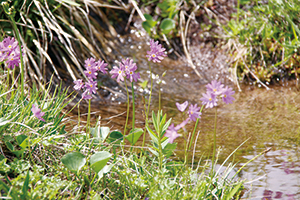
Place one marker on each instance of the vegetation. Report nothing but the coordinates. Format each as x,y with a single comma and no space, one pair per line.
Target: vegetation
264,38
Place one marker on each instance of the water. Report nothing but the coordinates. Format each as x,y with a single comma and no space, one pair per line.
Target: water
266,118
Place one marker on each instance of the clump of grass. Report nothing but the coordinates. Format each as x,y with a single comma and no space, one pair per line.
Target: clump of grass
264,40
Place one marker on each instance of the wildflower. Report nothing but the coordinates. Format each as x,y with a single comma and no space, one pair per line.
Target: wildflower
37,112
91,86
128,65
90,72
101,66
183,106
78,84
215,87
86,95
226,95
118,72
171,133
9,44
157,53
90,62
194,112
209,99
12,61
132,76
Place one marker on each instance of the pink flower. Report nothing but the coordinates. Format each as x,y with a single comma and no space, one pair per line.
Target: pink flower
101,66
78,84
91,86
118,72
215,87
226,95
157,53
183,106
37,112
194,112
171,133
86,95
209,99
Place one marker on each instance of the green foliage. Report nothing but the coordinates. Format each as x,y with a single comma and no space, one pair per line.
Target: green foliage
74,161
166,18
269,32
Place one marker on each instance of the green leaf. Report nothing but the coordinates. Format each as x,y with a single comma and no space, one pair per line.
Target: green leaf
154,120
149,23
234,191
167,25
25,187
100,134
152,135
168,149
166,126
134,135
144,84
9,146
73,161
99,160
105,170
22,141
115,136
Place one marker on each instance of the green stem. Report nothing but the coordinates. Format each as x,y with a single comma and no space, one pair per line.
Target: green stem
88,120
215,138
149,101
128,104
21,56
188,147
133,106
194,131
159,98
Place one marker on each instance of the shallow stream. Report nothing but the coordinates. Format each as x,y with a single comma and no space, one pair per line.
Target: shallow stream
267,118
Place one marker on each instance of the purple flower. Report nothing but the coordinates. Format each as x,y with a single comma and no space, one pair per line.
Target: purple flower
101,66
194,112
171,133
90,62
183,106
157,53
86,95
226,95
78,84
132,76
209,99
128,65
91,86
9,44
12,61
118,72
37,112
90,72
215,87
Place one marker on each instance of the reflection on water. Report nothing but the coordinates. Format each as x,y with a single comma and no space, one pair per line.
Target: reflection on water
267,118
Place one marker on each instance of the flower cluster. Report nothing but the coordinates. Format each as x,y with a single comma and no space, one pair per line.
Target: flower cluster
157,53
126,69
193,112
214,90
10,52
91,69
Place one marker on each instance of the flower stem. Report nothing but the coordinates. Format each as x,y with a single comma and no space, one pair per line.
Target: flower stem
149,101
133,106
215,138
128,104
196,124
88,120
